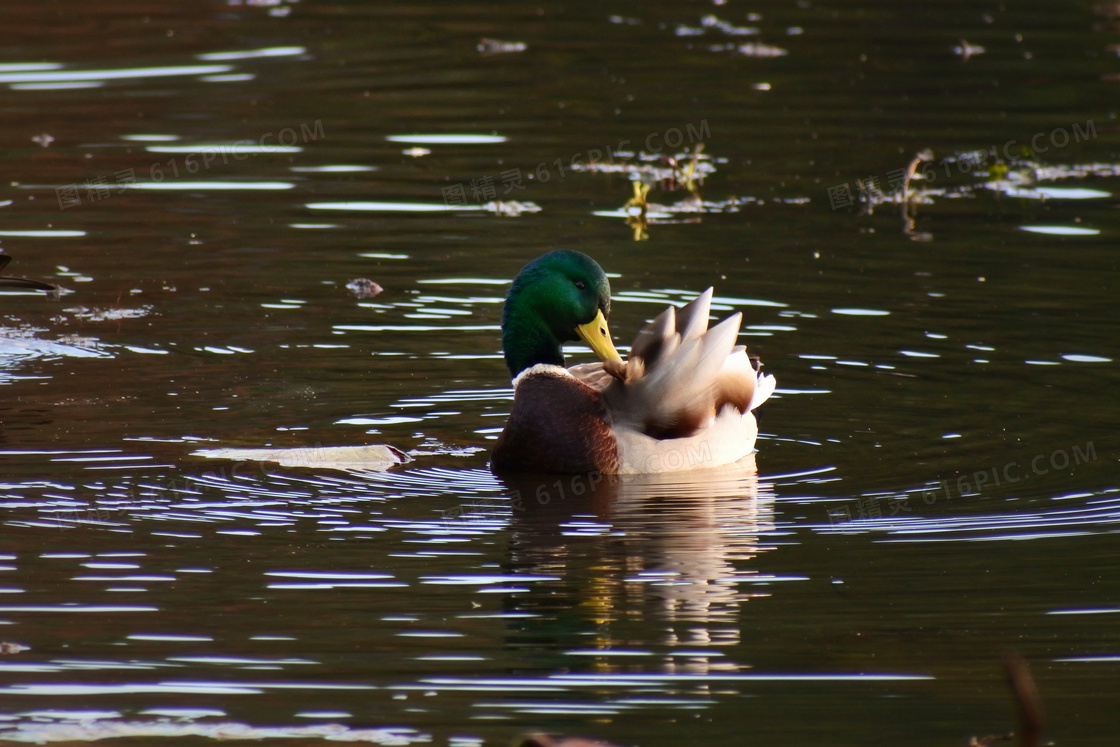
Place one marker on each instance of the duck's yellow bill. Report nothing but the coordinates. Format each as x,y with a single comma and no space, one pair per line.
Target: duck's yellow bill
596,334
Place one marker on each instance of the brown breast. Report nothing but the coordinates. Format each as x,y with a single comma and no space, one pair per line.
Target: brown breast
558,425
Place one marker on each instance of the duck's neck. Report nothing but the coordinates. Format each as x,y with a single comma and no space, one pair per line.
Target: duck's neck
527,341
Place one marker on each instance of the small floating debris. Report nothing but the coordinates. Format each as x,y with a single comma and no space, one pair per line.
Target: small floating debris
715,23
370,458
497,46
7,648
416,152
965,50
107,315
43,140
758,49
511,209
363,288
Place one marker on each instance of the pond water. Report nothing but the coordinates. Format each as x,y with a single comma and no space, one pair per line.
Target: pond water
913,206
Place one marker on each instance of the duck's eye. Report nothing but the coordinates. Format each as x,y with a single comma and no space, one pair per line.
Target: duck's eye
580,284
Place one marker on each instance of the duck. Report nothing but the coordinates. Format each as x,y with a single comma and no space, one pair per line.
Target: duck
10,282
683,399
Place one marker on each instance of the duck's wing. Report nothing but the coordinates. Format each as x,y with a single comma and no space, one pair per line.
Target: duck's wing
680,374
592,374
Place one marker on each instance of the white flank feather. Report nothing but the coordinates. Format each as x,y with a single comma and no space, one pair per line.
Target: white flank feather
763,389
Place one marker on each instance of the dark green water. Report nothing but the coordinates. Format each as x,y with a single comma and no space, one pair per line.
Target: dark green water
937,478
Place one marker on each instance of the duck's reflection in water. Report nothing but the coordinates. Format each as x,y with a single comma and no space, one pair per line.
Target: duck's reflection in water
654,564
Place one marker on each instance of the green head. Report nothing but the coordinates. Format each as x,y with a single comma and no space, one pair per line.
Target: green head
562,296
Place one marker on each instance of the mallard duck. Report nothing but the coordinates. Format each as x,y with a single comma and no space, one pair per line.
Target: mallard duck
682,401
7,282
